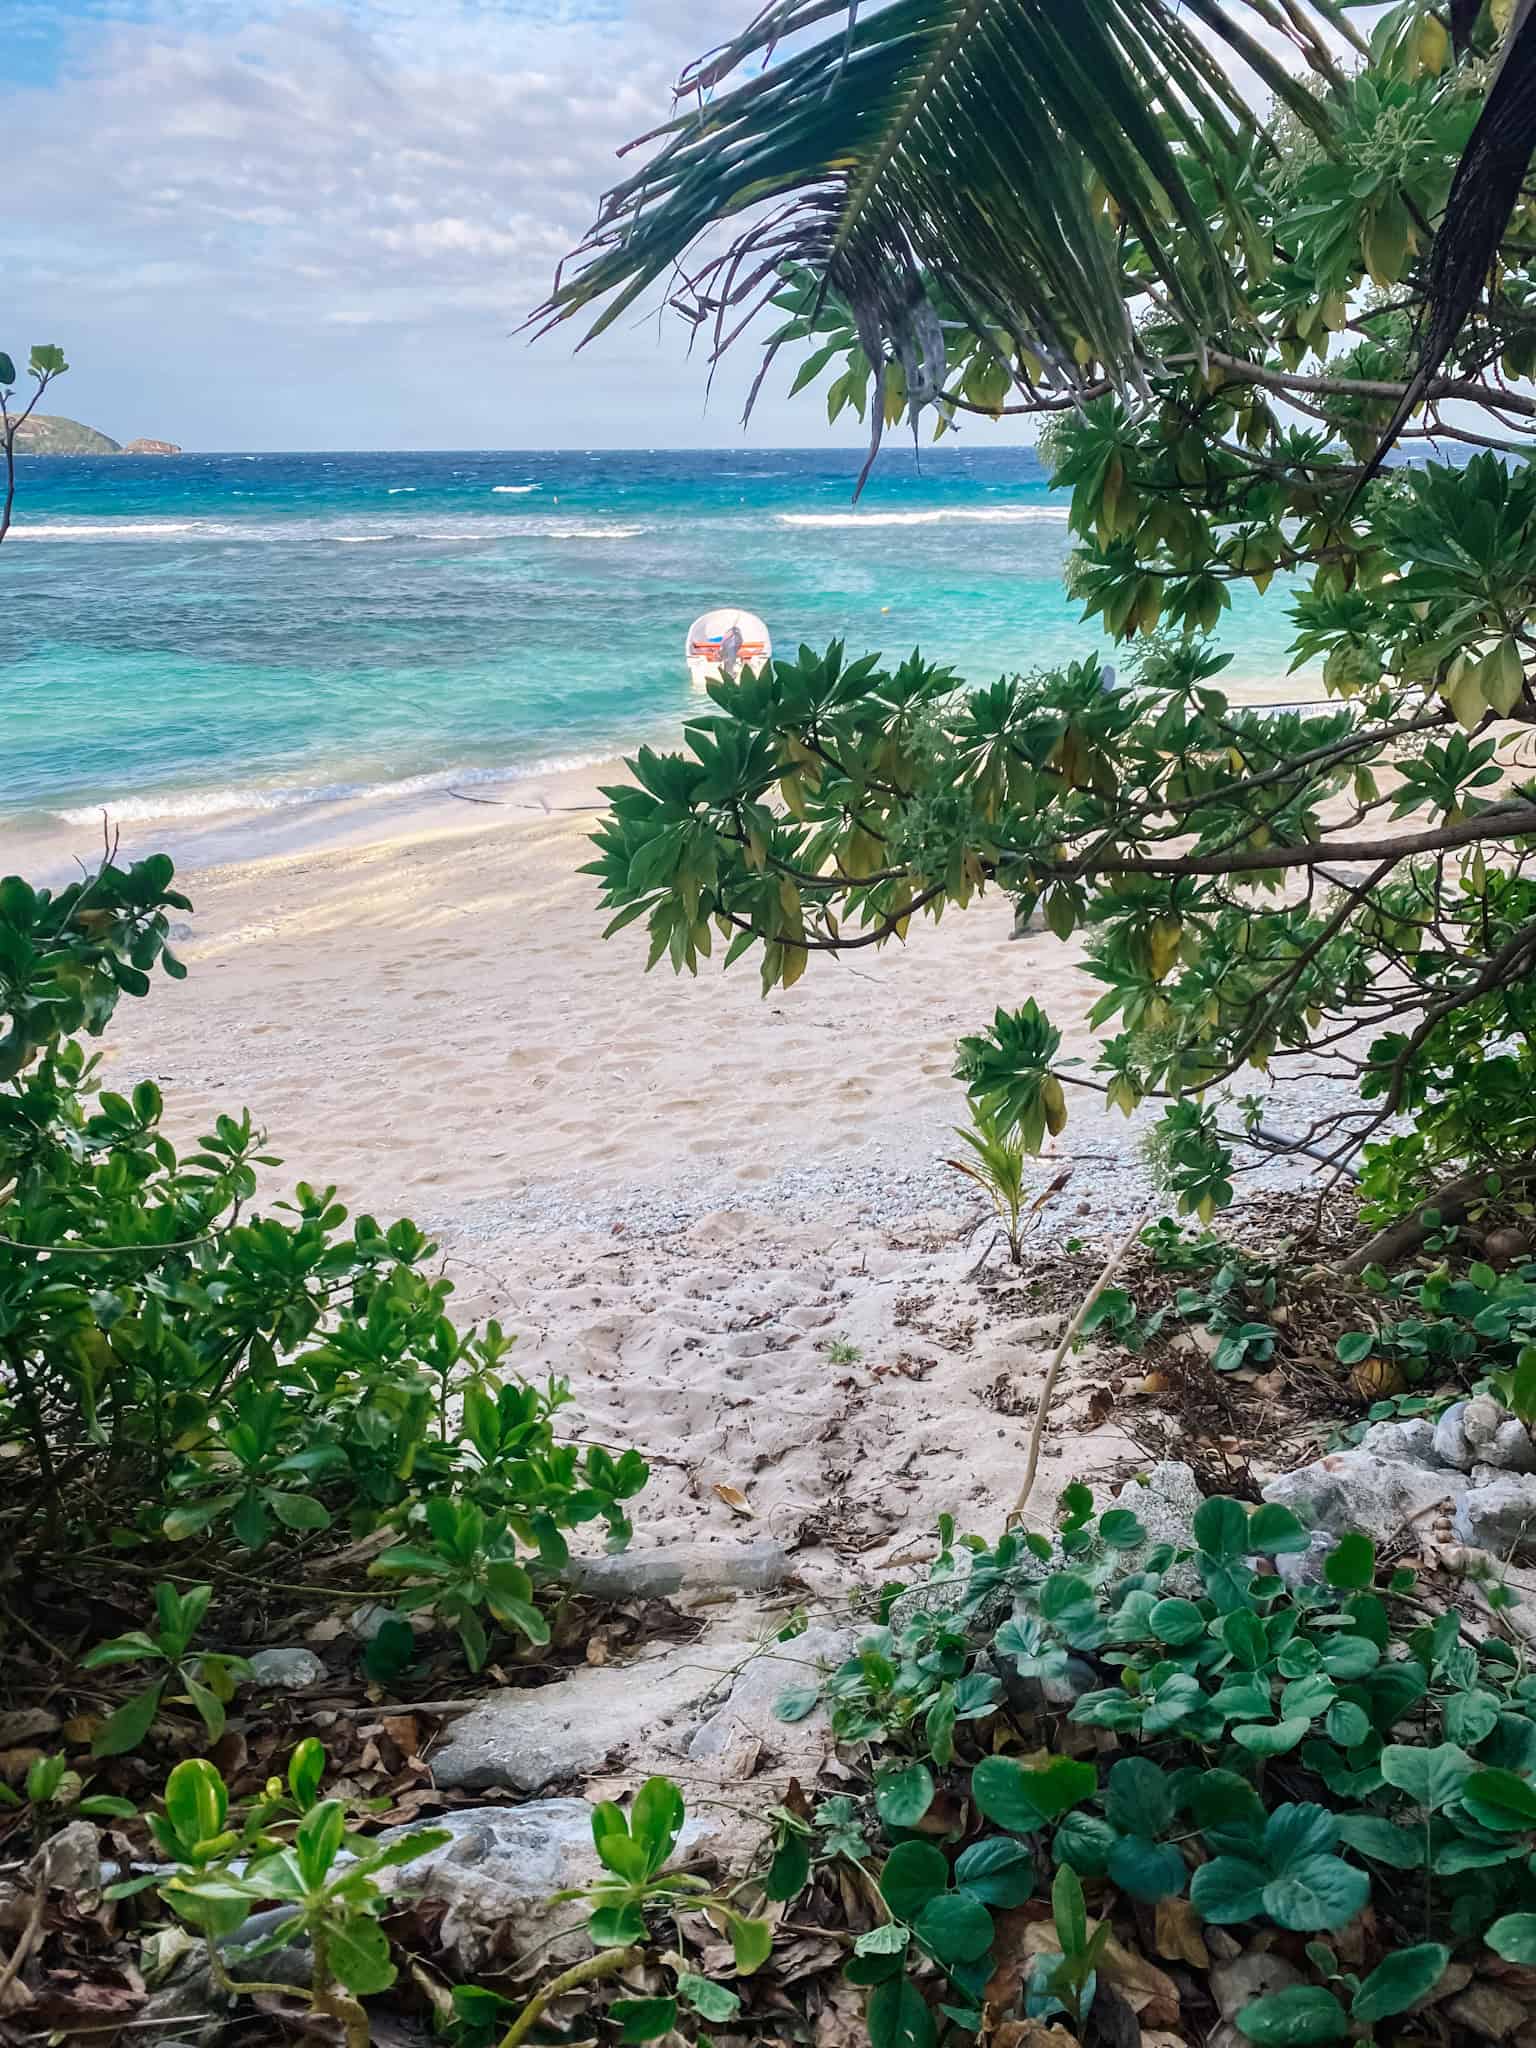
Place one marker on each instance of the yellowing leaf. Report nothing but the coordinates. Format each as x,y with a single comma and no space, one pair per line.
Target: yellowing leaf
734,1499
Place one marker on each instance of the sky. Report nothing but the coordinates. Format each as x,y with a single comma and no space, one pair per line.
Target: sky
260,226
255,225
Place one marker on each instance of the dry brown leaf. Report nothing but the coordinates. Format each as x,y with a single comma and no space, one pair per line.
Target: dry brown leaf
1101,1403
1030,2034
734,1499
1178,1934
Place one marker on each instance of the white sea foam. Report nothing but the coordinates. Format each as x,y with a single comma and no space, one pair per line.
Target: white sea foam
402,490
990,515
190,806
513,490
116,529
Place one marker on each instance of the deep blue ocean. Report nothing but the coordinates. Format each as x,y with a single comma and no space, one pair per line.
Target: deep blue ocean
184,638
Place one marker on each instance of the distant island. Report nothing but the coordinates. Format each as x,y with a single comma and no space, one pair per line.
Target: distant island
51,434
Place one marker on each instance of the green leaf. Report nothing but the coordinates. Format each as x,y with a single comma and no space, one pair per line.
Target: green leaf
1352,1561
1221,1528
318,1839
127,1728
955,1927
196,1801
1228,1889
1273,1531
1382,1842
616,1927
1400,1980
297,1510
1514,1938
1068,1911
914,1873
797,1702
1146,1870
1347,1724
1139,1796
643,2019
1271,1738
358,1950
1316,1893
7,370
1120,1529
751,1943
1294,2017
1023,1799
1176,1622
1431,1778
997,1870
715,2002
790,1870
1500,1799
897,2016
903,1794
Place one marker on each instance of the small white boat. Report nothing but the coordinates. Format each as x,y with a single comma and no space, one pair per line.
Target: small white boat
724,642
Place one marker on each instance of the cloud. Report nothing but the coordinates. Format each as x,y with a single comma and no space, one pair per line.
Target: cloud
334,205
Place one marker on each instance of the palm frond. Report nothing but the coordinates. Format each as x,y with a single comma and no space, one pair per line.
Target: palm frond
1484,193
961,146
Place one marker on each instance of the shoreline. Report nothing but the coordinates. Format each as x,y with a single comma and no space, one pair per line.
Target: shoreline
340,816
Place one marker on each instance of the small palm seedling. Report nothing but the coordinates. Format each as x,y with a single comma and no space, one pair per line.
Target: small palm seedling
206,1678
1001,1169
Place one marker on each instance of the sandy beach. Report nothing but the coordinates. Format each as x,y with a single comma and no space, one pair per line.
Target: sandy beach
727,1221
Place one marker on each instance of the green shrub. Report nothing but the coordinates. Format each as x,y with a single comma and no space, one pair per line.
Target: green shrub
177,1363
1287,1754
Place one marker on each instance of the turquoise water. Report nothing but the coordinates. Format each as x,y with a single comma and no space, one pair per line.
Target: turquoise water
196,637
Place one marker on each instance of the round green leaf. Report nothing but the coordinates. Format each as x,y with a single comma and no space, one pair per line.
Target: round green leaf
1176,1622
1274,1531
1146,1870
644,2019
1292,2018
903,1794
1221,1528
1431,1778
1347,1724
914,1873
1500,1799
997,1870
1022,1799
1400,1980
358,1950
1316,1893
795,1704
1271,1738
1228,1889
1352,1561
955,1927
1139,1797
1514,1938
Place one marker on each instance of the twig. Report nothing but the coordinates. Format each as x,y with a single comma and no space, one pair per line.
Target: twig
1037,1433
28,1935
608,1964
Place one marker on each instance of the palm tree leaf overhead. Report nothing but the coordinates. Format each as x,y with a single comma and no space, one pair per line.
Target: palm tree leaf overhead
949,149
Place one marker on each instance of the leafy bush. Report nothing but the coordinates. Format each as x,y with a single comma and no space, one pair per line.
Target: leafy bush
1347,887
1288,1753
176,1363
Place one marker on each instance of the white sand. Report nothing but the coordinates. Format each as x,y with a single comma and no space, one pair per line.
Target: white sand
677,1193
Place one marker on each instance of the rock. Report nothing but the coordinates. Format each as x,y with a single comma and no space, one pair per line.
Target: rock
498,1873
1410,1443
748,1717
288,1670
1484,2009
1511,1448
1354,1490
1166,1503
1247,1977
145,447
1305,1567
1482,1419
1451,1446
71,1860
1500,1516
366,1620
689,1567
551,1734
